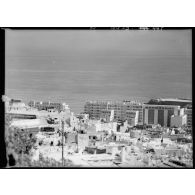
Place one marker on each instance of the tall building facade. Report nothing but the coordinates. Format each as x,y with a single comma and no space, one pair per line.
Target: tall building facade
135,106
94,108
48,105
121,109
132,117
160,114
188,112
107,115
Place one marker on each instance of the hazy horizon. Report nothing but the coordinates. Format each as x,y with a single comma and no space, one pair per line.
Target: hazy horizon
78,65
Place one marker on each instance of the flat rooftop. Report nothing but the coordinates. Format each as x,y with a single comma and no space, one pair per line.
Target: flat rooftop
174,100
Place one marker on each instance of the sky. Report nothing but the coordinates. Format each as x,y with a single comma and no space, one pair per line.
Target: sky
104,64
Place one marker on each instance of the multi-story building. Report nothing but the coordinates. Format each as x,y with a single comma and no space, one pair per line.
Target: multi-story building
188,112
107,115
132,117
48,105
159,114
156,111
13,105
121,108
170,101
178,121
135,106
94,108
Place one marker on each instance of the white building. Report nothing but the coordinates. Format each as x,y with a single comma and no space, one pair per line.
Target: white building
98,126
107,115
6,100
159,114
31,126
74,121
188,112
124,127
178,121
48,105
109,127
12,105
132,117
95,108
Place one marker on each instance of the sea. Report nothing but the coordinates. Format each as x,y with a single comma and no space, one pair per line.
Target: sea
140,79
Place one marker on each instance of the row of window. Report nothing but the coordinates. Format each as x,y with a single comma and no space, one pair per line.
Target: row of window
160,108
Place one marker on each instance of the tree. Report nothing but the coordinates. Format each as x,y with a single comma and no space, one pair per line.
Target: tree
18,144
18,147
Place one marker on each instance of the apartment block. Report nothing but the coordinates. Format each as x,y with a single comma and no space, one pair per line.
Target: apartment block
188,112
160,114
121,109
48,105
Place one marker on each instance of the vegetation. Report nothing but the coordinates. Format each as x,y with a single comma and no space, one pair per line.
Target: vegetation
19,145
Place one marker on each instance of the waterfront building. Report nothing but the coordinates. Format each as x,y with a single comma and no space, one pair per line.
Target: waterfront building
159,114
132,117
135,106
13,104
152,113
94,108
121,109
48,105
17,105
188,112
107,115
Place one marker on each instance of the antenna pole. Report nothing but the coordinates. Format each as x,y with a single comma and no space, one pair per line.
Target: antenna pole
62,142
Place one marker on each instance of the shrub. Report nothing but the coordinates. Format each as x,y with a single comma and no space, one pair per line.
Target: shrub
18,147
